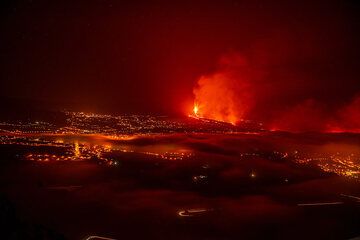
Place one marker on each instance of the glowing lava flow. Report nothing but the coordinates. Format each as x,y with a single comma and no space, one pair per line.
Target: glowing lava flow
225,95
195,112
198,115
196,109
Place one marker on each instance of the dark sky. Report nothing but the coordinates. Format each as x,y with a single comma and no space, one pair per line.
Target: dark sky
146,56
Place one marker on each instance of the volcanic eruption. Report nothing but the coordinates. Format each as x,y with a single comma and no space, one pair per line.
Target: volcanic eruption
242,88
224,95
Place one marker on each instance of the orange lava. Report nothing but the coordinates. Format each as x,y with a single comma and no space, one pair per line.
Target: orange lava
195,109
225,95
214,99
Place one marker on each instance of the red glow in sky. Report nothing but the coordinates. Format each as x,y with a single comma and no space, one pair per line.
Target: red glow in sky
239,89
160,58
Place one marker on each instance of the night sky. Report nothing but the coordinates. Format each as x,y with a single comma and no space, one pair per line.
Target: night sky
146,56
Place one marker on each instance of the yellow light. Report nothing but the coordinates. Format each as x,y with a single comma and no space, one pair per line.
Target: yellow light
76,149
196,109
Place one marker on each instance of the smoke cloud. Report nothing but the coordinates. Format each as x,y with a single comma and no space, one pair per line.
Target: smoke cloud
227,94
282,97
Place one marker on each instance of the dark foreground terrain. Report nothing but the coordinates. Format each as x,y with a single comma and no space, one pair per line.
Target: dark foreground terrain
180,186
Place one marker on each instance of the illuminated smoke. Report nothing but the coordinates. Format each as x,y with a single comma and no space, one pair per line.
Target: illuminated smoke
224,95
304,116
311,115
352,115
282,98
348,118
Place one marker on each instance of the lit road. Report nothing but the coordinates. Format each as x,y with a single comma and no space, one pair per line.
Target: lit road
98,237
193,212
